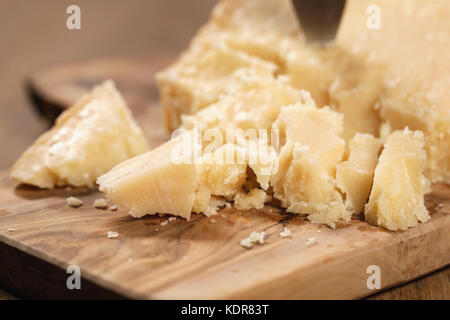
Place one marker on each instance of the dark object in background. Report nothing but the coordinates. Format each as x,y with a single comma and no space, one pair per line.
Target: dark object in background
319,18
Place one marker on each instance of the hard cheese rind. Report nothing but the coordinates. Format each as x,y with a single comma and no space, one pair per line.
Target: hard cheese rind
86,141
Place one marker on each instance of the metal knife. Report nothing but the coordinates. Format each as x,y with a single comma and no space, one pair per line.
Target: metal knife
319,19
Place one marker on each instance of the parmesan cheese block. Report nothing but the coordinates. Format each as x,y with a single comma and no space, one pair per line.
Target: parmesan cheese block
355,175
397,197
412,41
86,141
390,74
163,180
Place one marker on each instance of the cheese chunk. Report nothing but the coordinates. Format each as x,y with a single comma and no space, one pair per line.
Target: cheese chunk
304,181
318,130
223,171
355,175
202,75
86,141
163,180
254,199
303,186
397,197
255,105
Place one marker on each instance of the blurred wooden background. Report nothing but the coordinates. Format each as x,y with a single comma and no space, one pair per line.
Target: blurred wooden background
33,35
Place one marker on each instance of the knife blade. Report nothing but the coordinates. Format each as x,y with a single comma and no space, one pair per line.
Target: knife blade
319,19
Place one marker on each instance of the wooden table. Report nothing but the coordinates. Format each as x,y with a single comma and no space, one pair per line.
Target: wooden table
40,39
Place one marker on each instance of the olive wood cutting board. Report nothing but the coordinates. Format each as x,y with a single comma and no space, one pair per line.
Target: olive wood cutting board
40,236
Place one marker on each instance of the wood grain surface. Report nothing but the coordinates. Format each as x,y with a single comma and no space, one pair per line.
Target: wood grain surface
202,259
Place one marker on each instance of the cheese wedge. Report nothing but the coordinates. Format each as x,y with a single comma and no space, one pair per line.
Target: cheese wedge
355,175
397,197
163,180
86,141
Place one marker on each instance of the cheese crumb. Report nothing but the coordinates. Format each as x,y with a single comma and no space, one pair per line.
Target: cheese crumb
156,230
172,219
165,222
311,241
113,207
74,202
113,234
285,233
11,229
100,204
254,237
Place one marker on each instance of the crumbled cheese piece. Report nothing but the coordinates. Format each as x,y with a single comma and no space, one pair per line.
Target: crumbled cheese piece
210,211
310,241
74,202
113,234
254,237
100,204
165,222
113,207
255,199
156,230
11,229
172,219
285,233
